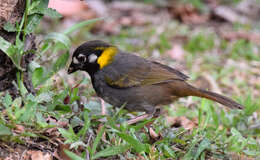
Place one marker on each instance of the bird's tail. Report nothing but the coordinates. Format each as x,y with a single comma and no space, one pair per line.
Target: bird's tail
183,89
215,97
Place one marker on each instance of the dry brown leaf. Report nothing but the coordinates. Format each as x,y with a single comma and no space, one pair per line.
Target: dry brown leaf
182,122
187,13
37,155
19,128
61,155
230,15
153,134
230,36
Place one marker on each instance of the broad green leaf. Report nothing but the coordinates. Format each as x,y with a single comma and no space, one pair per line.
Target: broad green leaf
80,25
5,131
111,151
65,133
136,144
29,114
44,97
44,3
63,108
41,7
20,84
33,22
9,27
17,103
51,13
19,112
37,76
41,120
59,37
5,45
73,155
61,62
7,100
11,51
34,5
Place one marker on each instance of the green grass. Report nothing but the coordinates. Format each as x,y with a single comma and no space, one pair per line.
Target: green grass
219,134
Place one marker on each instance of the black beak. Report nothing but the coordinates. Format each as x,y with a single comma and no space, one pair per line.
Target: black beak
72,69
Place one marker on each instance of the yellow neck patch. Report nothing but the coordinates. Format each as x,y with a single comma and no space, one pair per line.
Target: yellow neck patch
107,56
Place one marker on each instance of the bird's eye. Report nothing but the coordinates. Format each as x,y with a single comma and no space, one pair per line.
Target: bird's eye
82,58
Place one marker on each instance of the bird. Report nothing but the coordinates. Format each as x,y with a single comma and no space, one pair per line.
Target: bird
121,78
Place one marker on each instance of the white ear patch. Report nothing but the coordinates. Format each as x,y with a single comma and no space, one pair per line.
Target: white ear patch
75,61
92,58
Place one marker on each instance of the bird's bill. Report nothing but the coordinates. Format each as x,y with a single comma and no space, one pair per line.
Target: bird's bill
72,68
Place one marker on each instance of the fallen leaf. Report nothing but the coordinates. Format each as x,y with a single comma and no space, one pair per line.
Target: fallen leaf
187,13
181,122
19,128
61,155
38,155
230,36
153,134
66,100
230,15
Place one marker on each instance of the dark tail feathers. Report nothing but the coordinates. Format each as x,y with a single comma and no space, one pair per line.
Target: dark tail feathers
216,97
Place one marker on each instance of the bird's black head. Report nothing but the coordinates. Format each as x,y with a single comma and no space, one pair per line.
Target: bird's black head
92,56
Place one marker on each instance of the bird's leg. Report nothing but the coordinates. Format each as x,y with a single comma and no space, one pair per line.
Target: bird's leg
155,114
138,118
103,112
103,107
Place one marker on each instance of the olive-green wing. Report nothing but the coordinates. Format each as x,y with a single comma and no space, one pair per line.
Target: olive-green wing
142,72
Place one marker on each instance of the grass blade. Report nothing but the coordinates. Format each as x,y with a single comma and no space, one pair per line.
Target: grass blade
110,151
97,140
80,25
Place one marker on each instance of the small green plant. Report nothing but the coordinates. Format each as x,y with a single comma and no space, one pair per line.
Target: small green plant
200,43
243,48
29,110
33,13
